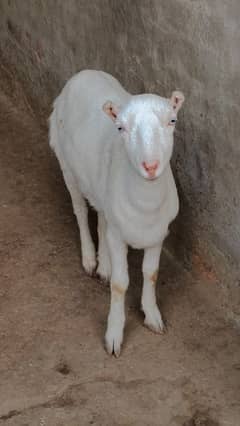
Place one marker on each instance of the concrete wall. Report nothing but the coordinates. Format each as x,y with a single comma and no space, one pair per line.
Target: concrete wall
156,46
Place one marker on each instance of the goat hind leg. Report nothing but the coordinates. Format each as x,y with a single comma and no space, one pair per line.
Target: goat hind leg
81,211
104,265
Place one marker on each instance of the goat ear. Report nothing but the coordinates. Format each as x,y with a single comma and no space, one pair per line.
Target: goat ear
111,110
177,100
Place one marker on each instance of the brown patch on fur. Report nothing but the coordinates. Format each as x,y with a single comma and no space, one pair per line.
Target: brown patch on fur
154,277
117,291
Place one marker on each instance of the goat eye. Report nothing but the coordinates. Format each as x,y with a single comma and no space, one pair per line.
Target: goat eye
120,129
173,121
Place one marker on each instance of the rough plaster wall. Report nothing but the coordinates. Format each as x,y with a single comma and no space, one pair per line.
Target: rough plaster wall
156,46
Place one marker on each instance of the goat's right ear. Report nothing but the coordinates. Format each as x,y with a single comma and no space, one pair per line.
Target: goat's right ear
111,110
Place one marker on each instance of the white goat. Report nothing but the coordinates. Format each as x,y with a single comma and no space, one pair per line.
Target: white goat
121,166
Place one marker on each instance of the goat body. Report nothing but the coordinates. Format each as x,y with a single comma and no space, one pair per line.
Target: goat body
114,150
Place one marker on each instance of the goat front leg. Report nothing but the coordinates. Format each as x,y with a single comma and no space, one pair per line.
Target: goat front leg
119,285
153,318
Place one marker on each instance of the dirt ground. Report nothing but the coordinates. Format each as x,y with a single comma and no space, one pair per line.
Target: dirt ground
53,367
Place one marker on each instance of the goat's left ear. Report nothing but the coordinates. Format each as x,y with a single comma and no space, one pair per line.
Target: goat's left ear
111,110
177,100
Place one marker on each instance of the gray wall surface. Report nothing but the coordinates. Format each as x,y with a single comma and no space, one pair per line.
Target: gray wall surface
151,46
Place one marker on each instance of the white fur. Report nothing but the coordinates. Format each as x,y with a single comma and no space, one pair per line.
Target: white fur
105,166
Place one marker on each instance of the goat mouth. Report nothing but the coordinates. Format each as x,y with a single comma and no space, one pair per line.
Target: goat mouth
151,178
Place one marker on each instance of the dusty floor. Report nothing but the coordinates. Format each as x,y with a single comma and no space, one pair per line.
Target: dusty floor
53,368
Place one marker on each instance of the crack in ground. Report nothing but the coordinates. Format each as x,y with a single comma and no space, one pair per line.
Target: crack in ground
56,402
59,401
64,399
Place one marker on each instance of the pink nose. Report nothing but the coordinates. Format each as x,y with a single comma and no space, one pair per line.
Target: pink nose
151,168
